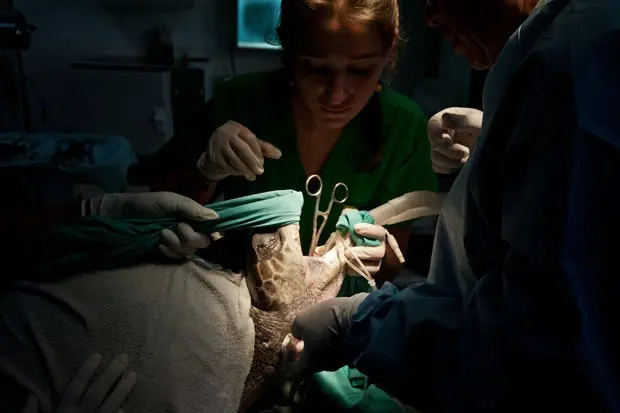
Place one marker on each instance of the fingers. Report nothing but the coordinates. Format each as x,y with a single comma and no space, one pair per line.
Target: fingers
448,159
455,151
463,119
371,254
114,402
371,257
321,328
32,404
183,207
74,390
269,151
315,323
302,358
250,139
298,328
252,161
105,394
454,125
191,238
251,152
171,254
235,150
444,164
183,241
292,348
372,267
454,121
203,214
99,389
371,231
304,363
170,245
248,167
436,132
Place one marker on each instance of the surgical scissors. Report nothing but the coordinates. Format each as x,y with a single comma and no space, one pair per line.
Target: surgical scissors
323,214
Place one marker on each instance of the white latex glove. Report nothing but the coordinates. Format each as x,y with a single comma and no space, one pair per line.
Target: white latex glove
177,243
453,133
234,150
86,394
371,257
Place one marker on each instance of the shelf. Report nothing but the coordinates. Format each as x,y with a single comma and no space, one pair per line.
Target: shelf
180,4
132,64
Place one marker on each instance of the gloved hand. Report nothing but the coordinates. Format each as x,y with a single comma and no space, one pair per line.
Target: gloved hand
323,329
234,150
85,394
453,133
179,243
371,257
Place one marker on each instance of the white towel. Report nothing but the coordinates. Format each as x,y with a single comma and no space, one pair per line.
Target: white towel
186,328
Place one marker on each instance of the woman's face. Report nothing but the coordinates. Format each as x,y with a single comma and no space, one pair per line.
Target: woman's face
336,71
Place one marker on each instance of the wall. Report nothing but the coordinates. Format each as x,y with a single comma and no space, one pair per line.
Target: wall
70,30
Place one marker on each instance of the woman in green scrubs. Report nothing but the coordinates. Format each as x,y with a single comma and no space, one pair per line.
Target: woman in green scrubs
325,112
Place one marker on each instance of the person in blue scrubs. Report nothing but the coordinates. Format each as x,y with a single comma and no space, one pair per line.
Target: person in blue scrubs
520,309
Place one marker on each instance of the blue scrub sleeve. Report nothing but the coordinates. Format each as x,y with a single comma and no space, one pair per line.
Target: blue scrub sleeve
401,338
593,218
409,341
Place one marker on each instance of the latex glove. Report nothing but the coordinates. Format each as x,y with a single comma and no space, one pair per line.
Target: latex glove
86,394
371,257
323,329
453,133
234,150
177,243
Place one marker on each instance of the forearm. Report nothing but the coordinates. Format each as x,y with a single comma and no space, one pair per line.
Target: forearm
401,339
424,347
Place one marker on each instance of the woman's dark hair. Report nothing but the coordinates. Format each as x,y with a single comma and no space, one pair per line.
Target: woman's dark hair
296,15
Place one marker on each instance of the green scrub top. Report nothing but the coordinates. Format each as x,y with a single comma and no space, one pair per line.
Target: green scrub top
261,102
257,101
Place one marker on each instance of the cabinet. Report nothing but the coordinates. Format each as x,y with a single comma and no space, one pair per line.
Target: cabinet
145,104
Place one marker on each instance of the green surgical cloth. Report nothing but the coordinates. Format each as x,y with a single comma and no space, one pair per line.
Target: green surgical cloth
99,243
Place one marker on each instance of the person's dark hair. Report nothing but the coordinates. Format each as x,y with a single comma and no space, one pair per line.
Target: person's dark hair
296,15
